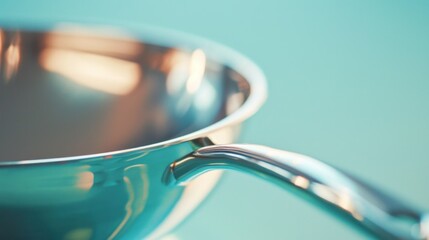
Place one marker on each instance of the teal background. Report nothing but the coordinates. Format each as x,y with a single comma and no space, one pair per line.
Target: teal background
349,84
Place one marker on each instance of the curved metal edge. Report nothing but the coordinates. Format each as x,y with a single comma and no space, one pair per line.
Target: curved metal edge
424,227
350,198
169,38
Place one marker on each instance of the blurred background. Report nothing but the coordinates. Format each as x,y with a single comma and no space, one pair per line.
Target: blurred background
349,84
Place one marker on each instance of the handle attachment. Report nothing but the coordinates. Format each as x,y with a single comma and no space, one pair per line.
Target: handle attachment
335,190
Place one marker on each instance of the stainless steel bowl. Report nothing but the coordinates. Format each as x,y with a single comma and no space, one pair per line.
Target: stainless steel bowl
105,134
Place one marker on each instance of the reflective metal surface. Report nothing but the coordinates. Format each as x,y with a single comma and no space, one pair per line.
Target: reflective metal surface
91,118
93,124
120,197
334,190
70,93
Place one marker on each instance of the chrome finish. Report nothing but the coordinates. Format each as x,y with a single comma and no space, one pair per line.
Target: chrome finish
335,190
70,92
91,119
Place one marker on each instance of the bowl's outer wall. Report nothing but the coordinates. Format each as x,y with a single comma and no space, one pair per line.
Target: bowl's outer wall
119,196
94,198
50,188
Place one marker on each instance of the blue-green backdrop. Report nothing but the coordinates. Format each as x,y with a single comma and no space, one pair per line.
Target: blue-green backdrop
349,84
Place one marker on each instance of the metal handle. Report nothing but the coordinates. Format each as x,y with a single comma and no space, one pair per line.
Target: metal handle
334,190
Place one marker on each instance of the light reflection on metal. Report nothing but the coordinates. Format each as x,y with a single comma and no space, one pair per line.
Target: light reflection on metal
193,194
136,182
102,73
196,70
324,192
206,96
301,182
185,80
224,135
128,208
275,170
78,38
176,64
85,180
339,198
424,227
79,233
140,182
234,102
345,201
323,184
12,58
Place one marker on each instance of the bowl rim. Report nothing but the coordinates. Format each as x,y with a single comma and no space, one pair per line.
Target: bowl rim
168,38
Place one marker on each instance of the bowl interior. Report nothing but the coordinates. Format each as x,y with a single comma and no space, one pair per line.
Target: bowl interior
77,92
